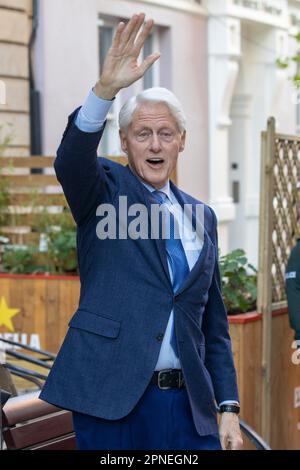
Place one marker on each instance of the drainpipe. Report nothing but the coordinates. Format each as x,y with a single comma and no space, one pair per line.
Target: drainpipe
35,105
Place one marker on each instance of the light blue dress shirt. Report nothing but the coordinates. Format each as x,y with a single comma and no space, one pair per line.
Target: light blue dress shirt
91,118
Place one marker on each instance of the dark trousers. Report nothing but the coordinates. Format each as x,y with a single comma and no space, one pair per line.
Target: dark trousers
161,420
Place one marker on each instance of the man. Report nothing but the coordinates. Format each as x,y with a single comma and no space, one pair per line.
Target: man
292,286
148,353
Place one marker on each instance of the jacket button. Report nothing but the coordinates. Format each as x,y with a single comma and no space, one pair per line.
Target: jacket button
160,337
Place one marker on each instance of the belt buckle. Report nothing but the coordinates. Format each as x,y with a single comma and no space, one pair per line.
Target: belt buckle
181,380
159,377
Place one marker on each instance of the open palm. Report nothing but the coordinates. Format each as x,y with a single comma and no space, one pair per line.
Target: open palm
121,67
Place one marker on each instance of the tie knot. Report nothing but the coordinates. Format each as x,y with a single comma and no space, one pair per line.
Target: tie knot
160,196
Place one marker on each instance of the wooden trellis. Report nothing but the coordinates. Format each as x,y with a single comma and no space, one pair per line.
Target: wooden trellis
279,228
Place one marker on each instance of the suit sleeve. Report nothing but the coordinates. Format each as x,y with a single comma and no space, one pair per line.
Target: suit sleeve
218,356
83,179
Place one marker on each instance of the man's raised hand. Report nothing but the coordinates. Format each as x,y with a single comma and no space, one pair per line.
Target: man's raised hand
121,67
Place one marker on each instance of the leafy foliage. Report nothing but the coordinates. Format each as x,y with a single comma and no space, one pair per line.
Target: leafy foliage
19,261
238,285
62,250
284,63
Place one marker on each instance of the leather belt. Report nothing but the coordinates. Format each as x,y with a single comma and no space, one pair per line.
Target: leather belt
168,378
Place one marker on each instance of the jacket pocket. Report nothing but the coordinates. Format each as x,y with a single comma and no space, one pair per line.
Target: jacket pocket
96,324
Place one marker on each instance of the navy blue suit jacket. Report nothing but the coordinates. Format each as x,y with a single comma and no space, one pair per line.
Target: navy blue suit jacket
114,337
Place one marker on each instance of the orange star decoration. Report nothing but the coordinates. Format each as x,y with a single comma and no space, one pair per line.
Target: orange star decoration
6,314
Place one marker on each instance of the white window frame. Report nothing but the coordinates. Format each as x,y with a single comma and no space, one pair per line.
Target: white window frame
155,66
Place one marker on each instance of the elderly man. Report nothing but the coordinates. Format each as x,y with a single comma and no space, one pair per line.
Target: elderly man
147,358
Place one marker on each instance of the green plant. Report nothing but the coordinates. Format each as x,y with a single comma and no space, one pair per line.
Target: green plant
62,250
4,184
4,200
284,63
238,286
58,225
19,260
6,140
61,232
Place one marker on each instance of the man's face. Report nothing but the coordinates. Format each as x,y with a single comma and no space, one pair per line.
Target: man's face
153,143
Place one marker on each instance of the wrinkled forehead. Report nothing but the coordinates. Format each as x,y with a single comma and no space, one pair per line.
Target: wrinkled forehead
153,114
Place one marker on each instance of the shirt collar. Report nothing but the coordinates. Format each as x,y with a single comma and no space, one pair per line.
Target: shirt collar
165,189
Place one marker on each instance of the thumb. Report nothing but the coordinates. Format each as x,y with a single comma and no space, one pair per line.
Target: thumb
148,62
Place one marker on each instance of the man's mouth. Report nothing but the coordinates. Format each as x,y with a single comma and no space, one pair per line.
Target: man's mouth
155,161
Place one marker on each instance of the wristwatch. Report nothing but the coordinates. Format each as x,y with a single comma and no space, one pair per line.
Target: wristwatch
229,409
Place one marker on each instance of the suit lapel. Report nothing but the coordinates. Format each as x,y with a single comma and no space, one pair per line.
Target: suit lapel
207,247
160,243
147,199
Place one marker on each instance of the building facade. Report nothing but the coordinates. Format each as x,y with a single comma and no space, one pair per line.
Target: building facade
15,32
245,38
72,39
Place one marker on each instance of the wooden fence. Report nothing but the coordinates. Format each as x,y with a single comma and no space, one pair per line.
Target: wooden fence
279,227
35,197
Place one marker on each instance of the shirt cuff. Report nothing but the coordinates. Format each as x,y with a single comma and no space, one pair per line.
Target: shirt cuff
93,112
229,402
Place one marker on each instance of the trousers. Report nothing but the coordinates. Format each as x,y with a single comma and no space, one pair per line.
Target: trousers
161,420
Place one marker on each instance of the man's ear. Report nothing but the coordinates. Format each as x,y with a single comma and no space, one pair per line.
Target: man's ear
123,140
182,141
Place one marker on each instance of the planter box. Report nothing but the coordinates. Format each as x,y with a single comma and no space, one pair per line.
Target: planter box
246,334
45,303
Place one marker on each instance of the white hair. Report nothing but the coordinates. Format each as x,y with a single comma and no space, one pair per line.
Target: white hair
152,95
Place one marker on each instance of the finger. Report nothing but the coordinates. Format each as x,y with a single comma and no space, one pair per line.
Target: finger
120,29
129,30
135,31
236,444
148,62
223,441
143,36
229,445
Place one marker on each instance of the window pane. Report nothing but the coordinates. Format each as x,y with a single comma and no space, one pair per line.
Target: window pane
106,37
148,49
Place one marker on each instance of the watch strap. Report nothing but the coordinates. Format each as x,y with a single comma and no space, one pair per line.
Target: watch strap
229,408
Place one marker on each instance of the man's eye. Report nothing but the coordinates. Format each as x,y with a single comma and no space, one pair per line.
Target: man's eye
144,134
166,135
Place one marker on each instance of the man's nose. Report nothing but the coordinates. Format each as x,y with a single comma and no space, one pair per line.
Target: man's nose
155,143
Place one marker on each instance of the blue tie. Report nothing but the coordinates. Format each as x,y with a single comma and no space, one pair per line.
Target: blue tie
176,254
